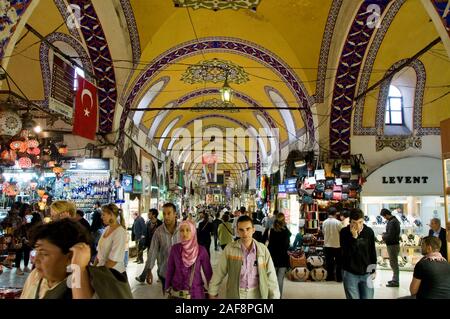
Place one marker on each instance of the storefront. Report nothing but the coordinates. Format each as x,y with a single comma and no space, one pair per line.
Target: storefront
289,205
412,189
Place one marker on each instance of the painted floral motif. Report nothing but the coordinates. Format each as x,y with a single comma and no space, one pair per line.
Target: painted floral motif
216,105
10,13
218,4
215,71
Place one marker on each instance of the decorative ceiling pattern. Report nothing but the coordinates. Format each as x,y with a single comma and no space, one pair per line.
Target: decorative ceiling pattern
218,4
325,50
351,59
358,128
132,30
100,54
215,71
10,13
224,45
215,105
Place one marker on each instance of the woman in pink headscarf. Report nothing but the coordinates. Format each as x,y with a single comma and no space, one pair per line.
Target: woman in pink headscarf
187,259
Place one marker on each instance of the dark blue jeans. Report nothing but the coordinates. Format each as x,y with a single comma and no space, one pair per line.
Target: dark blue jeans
358,286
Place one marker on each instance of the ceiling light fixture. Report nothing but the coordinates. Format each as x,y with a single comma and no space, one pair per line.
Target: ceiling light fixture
226,91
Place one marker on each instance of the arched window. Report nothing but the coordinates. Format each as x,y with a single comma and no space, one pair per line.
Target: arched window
394,107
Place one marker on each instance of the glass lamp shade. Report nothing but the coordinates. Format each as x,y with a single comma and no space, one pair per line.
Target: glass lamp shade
25,162
226,92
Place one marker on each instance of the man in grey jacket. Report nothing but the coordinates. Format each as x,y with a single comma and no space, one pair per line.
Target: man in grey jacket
392,238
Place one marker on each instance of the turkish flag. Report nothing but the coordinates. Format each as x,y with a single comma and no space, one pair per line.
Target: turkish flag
86,109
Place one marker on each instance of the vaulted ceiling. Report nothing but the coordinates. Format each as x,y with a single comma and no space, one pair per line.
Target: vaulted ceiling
287,53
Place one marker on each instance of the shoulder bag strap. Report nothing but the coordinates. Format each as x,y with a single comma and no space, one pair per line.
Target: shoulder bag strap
192,275
226,227
38,289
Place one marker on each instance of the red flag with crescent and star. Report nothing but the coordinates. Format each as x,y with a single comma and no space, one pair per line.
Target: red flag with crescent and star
86,109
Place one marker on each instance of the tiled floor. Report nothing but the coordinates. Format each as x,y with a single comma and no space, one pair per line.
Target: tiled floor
292,290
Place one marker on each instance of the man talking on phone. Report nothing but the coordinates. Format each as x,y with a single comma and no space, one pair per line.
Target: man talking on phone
359,257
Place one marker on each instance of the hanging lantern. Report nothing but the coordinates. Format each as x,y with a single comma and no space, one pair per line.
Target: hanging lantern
42,207
44,198
51,164
8,155
34,151
25,162
16,145
58,170
63,150
32,143
66,180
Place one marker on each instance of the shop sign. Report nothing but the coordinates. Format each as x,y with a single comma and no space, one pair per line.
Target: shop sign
90,164
282,195
137,186
127,183
405,179
290,184
411,176
281,188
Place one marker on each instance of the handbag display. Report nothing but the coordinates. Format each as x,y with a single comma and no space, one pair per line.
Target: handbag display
315,261
328,194
307,199
320,187
297,259
328,167
345,188
337,196
329,183
182,294
319,274
337,188
298,274
338,181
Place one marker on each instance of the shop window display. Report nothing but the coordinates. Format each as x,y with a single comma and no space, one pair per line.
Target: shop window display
414,215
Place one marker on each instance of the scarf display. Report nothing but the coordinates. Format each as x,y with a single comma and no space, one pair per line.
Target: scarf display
436,256
190,247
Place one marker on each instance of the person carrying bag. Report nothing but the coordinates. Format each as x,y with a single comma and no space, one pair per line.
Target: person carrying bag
186,262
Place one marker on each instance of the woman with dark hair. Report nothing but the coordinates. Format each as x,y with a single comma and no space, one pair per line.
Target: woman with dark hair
66,243
35,221
279,238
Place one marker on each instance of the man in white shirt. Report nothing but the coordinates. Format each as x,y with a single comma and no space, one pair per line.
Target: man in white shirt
331,228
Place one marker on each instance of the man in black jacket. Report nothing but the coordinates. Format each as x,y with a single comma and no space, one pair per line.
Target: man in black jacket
392,238
359,257
437,231
138,233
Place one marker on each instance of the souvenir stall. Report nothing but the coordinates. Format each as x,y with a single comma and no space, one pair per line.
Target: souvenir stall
85,182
